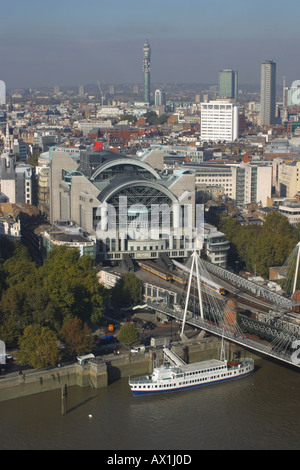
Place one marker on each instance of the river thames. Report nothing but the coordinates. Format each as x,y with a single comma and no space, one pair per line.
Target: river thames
258,412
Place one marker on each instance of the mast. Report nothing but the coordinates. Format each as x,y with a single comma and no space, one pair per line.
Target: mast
297,269
222,353
198,286
195,259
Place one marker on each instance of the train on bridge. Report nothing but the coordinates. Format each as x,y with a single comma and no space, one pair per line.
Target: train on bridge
180,276
165,274
204,281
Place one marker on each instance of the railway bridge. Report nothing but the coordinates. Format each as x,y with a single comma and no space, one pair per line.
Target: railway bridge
241,338
197,305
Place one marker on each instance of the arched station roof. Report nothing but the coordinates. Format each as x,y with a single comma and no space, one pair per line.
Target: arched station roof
110,164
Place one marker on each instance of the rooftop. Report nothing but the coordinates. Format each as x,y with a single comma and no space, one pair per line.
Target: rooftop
67,232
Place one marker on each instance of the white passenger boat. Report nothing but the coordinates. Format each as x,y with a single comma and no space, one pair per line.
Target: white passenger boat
175,374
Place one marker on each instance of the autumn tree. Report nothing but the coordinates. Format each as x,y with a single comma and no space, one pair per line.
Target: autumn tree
9,333
76,337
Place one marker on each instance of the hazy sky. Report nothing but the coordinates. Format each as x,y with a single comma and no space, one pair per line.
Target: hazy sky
73,42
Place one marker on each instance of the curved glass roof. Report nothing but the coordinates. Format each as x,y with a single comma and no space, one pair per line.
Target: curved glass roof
124,166
138,191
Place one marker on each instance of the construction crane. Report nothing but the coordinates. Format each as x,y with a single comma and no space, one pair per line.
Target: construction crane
102,96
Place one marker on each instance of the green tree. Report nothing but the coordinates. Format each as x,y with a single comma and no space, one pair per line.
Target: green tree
231,228
128,334
19,268
66,285
259,247
276,241
154,119
128,290
38,347
128,117
151,117
71,284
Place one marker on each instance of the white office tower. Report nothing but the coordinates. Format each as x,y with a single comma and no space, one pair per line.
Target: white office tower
160,97
268,93
219,121
2,93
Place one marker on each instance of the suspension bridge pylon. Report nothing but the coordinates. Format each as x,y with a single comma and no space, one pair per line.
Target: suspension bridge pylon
195,262
296,270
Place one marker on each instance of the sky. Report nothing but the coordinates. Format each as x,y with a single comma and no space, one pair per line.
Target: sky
78,42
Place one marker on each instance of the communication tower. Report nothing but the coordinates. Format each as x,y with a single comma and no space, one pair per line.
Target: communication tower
146,69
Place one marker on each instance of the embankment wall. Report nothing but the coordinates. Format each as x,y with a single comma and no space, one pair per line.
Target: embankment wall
100,373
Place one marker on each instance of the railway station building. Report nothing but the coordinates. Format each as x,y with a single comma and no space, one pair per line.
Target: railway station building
126,204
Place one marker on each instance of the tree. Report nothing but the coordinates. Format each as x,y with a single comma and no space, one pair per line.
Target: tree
128,117
259,247
38,347
76,337
151,117
12,307
9,333
154,119
230,227
128,334
128,290
19,268
71,283
66,285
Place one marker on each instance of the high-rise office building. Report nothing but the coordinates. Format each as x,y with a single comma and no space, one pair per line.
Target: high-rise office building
268,93
228,84
159,97
2,93
146,69
219,121
243,183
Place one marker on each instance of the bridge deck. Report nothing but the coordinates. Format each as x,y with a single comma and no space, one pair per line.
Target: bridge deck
255,346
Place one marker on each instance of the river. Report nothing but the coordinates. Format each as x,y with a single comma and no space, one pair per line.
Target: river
258,412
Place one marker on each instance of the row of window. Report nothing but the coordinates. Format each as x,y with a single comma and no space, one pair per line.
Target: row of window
214,183
206,180
153,254
187,382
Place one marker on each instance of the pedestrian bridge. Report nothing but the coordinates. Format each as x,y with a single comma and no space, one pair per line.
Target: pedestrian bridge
208,310
276,350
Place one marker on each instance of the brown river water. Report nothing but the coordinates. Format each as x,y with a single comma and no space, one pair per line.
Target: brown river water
258,412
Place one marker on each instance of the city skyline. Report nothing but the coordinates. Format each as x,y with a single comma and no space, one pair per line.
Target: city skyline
73,43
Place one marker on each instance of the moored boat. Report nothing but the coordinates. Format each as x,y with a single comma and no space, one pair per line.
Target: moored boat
176,375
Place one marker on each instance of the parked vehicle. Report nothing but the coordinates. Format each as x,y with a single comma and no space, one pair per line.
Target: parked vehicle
137,349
